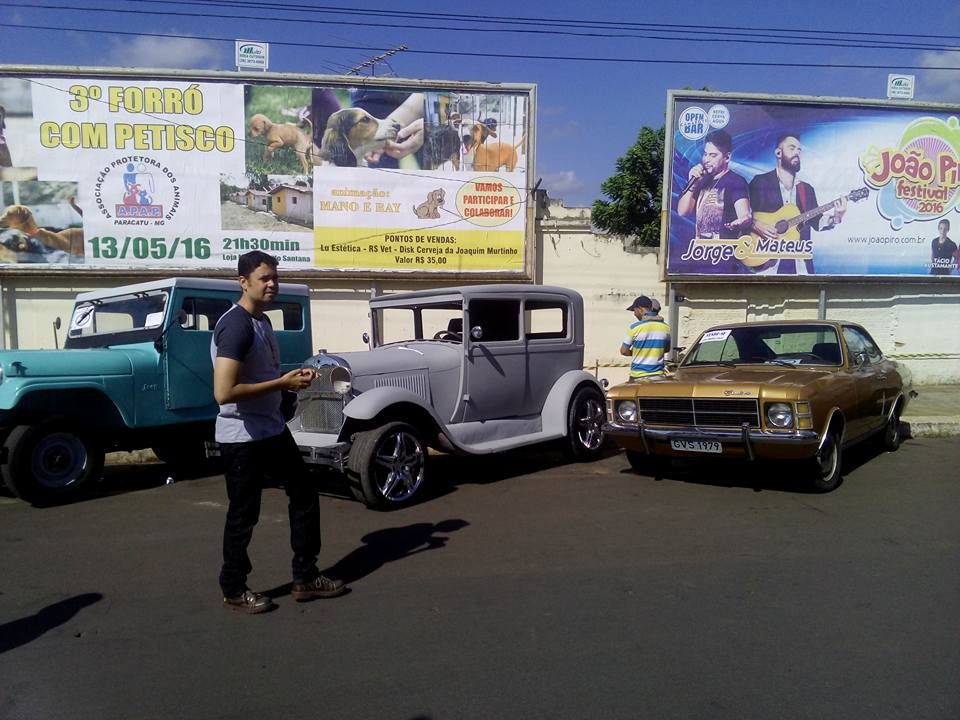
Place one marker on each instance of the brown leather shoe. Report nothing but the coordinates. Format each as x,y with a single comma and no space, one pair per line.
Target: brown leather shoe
319,587
249,602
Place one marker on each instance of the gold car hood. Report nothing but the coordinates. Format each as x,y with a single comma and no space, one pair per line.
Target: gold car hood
747,381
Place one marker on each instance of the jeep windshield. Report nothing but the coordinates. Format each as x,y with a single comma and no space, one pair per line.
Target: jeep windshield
786,345
435,321
119,320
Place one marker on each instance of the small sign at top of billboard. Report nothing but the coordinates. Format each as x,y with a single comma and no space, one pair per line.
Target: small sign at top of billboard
252,55
900,87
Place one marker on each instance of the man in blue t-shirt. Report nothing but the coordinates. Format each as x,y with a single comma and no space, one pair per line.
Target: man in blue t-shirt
257,446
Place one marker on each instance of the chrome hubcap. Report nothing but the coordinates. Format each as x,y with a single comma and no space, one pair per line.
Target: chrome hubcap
399,466
590,418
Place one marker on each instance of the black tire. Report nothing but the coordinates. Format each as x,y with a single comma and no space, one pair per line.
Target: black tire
50,461
828,463
891,435
389,464
585,418
652,465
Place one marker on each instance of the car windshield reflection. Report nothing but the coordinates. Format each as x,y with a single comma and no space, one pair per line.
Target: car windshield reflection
786,345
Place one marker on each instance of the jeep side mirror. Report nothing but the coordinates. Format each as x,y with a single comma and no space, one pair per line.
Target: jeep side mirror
476,332
179,317
56,326
860,358
366,339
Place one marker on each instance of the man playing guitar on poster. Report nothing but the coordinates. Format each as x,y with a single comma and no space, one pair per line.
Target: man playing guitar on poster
771,191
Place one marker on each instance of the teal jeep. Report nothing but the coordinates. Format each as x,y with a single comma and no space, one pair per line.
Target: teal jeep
135,372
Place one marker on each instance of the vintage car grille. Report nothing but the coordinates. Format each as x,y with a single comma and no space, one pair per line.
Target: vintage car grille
321,412
712,412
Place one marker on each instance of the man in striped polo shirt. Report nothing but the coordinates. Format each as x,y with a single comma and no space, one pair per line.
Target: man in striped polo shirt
647,341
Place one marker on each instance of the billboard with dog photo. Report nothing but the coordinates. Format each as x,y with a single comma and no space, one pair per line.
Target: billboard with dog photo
783,188
177,171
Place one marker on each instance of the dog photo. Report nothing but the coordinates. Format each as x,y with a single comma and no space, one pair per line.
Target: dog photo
472,132
279,133
369,128
41,223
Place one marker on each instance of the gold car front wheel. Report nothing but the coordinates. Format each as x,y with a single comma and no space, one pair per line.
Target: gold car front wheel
828,463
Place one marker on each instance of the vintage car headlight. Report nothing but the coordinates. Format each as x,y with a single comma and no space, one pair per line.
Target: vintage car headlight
627,411
780,415
341,380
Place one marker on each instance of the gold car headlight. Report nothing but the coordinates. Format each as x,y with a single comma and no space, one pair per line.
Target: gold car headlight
627,411
780,415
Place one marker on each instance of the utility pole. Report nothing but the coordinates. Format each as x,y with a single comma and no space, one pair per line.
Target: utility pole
375,59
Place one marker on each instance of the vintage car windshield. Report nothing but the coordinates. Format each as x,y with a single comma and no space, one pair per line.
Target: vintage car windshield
135,317
442,321
765,344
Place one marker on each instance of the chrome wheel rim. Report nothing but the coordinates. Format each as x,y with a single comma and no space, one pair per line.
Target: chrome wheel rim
828,458
589,421
399,466
58,460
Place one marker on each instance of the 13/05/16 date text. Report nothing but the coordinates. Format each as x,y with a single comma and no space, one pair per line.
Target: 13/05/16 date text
156,248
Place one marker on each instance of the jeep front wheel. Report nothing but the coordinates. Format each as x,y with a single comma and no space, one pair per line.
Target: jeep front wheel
389,462
50,461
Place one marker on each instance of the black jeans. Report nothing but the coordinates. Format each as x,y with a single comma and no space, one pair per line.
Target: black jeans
249,467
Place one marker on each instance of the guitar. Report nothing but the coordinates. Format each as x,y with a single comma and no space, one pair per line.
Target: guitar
786,221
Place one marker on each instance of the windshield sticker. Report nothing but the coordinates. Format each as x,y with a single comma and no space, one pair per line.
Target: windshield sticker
153,319
715,336
82,318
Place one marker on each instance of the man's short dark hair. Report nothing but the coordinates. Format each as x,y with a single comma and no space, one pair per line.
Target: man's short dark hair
783,137
721,140
944,222
250,261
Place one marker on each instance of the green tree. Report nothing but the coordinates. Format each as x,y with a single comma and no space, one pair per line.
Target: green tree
635,192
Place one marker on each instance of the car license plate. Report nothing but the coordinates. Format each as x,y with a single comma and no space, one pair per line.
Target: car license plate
702,446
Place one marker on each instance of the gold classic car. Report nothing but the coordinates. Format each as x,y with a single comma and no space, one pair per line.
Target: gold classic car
787,390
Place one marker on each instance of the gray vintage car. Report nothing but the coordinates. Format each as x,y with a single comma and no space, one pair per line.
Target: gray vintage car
514,378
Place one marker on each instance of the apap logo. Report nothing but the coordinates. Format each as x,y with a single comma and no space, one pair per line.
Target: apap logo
137,191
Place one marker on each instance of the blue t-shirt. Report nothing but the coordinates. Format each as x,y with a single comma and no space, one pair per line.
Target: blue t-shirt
249,340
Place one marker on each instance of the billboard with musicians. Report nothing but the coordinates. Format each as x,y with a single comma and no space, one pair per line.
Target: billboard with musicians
785,188
167,170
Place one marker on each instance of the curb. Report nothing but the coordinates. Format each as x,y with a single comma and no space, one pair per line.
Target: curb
931,426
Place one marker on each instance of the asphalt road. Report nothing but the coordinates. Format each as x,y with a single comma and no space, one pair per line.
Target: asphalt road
524,589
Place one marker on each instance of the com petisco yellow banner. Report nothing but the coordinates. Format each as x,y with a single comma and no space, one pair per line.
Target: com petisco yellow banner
172,169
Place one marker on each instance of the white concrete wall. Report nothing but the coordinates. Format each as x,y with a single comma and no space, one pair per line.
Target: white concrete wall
917,323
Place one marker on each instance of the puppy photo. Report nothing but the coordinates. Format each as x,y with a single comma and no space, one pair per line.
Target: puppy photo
440,144
352,133
490,157
69,240
429,209
279,135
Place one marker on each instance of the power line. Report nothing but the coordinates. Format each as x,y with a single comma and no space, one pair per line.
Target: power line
748,38
538,21
507,56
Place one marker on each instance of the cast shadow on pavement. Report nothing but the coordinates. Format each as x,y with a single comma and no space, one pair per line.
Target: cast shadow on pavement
25,630
384,546
784,476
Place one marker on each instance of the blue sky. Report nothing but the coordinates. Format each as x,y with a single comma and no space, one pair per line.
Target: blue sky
589,108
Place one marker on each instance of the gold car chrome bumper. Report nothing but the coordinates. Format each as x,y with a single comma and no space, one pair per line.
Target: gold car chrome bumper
746,441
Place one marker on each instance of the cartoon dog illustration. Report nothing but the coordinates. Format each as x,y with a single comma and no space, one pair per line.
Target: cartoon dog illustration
430,208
